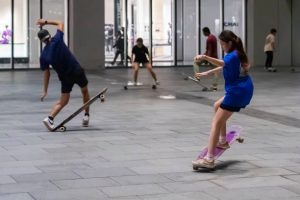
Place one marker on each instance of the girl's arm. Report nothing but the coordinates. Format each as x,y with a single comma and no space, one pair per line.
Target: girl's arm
217,62
213,61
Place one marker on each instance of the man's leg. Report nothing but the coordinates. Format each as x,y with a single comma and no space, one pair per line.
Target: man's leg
150,69
196,67
269,59
62,102
116,57
85,98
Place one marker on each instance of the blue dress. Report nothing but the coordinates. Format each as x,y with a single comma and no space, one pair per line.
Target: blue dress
238,84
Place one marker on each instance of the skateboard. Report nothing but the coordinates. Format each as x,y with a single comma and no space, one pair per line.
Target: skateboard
187,77
131,84
271,69
61,126
232,135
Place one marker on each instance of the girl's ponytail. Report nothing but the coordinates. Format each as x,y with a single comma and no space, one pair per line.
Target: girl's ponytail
241,51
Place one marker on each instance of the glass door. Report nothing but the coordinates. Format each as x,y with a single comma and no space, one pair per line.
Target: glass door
162,42
211,18
20,45
138,18
5,34
234,17
187,33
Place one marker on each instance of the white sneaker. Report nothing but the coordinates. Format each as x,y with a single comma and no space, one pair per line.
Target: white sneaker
85,120
157,83
48,123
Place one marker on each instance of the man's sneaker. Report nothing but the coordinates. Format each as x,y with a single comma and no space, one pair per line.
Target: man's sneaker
157,83
204,163
223,145
85,120
49,123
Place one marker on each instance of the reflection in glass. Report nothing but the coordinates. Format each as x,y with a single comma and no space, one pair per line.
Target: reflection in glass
162,31
234,17
5,33
211,18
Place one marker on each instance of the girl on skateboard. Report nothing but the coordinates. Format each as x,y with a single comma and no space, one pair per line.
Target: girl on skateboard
68,69
140,54
238,91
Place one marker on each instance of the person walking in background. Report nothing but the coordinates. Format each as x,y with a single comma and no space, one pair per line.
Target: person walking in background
211,51
269,50
119,45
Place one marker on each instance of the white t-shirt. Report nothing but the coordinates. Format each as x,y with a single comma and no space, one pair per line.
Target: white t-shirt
270,43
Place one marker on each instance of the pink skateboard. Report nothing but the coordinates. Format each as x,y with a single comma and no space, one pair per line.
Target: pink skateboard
232,135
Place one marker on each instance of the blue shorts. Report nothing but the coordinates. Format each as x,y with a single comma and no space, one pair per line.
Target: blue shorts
230,108
77,77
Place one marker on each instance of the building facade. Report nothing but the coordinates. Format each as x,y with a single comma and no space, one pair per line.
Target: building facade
171,29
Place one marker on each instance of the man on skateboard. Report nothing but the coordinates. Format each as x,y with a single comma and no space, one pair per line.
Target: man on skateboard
57,54
211,51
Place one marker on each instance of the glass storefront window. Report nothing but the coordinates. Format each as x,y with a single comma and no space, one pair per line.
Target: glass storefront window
187,31
234,17
5,34
138,23
21,34
211,18
21,38
162,31
155,21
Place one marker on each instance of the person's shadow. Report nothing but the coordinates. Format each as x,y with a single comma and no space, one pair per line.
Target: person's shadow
220,166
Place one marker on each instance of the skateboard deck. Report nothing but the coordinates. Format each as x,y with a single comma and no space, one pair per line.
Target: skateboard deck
131,84
188,77
232,135
61,126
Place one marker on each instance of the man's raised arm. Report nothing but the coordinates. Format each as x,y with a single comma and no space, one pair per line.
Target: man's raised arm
43,22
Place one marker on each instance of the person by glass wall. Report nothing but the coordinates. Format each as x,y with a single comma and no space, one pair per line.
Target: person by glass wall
21,35
6,34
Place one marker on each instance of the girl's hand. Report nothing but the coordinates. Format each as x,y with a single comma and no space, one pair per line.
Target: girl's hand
198,75
199,58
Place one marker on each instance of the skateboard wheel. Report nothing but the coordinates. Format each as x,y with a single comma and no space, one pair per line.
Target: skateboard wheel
125,88
102,98
195,168
186,78
62,128
205,89
240,140
154,87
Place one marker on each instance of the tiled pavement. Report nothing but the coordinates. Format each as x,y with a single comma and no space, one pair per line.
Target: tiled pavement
140,147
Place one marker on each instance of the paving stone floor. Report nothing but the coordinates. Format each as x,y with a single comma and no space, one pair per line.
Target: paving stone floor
140,147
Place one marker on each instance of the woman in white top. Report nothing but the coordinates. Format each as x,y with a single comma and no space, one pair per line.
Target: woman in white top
269,48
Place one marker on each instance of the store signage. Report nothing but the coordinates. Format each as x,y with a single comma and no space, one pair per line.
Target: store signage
231,24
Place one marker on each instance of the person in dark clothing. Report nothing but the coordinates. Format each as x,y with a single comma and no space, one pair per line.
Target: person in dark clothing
119,45
140,55
57,54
